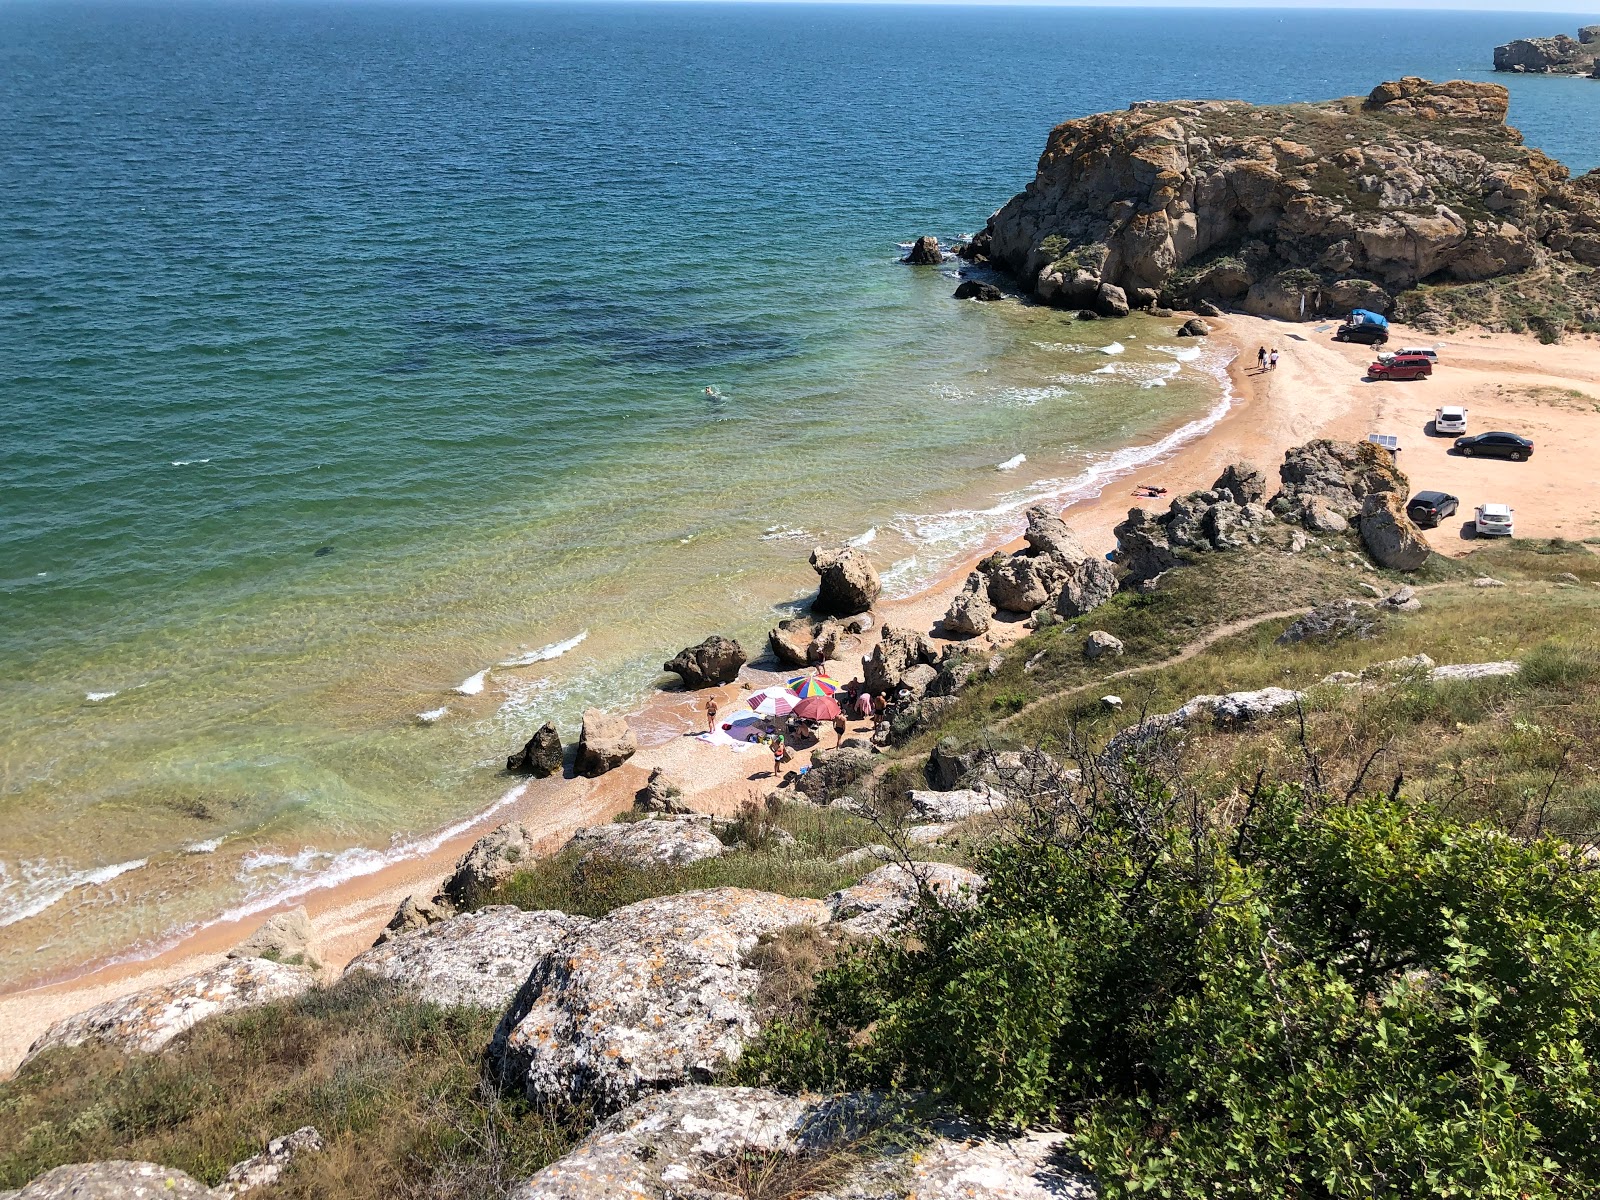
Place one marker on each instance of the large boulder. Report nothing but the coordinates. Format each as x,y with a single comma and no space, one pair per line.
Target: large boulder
1194,327
805,641
886,897
541,757
700,1142
1331,621
661,793
416,911
833,771
1339,474
653,996
492,859
973,289
1244,482
924,252
285,937
148,1020
897,651
1023,582
1143,551
1390,536
1085,588
970,614
714,661
848,584
674,840
117,1179
605,743
1051,537
476,960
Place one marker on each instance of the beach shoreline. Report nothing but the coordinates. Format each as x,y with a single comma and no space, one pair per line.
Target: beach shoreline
1315,393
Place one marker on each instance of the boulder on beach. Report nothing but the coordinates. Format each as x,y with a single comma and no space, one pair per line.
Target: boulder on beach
805,641
492,859
714,661
924,252
973,289
416,911
970,614
661,793
849,583
666,840
541,756
285,937
897,651
605,743
1194,327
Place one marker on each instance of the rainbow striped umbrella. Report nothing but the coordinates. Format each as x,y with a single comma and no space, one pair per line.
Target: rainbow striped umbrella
772,702
814,685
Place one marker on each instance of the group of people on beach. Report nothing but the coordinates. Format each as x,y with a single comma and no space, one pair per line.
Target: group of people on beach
871,707
1267,360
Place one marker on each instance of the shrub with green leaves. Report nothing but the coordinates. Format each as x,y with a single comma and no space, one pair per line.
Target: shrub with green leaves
1307,998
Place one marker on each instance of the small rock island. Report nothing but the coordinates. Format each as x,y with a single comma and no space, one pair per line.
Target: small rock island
1558,55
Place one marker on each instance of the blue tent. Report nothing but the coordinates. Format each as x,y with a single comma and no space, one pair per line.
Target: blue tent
1362,316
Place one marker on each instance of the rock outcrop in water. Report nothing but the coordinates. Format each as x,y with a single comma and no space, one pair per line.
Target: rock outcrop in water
1296,211
1558,55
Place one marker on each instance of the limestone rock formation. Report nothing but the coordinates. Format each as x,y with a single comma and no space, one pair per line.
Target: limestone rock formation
714,661
1389,535
148,1020
924,252
833,771
897,652
285,937
661,793
957,804
659,841
1295,212
492,859
688,1143
605,743
476,960
1559,55
849,582
973,289
1085,587
116,1180
416,911
884,898
805,641
1221,518
654,995
1328,622
970,614
1101,644
1055,570
1244,482
266,1168
541,757
1339,475
1023,582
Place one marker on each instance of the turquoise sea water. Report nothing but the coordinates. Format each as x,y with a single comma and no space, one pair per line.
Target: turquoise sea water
349,350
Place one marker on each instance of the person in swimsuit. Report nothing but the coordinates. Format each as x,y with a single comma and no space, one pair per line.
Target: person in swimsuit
711,714
839,726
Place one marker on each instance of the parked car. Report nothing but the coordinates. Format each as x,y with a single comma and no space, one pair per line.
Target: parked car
1398,367
1363,332
1427,509
1495,520
1495,445
1424,351
1452,418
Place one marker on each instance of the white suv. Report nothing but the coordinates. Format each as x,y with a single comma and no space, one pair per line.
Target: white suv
1452,419
1495,520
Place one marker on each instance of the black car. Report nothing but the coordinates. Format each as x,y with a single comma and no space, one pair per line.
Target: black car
1427,509
1367,333
1495,445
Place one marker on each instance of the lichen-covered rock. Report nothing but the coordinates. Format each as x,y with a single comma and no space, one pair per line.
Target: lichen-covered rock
285,937
541,756
266,1168
476,960
655,995
493,858
1330,621
884,898
689,1144
416,911
117,1179
848,582
714,661
832,771
1389,534
957,804
1085,588
605,743
672,840
661,793
148,1020
1460,671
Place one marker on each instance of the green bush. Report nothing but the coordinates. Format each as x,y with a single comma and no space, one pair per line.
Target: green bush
1315,999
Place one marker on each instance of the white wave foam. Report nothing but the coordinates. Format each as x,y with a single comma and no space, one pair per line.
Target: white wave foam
785,533
433,714
96,697
863,539
1187,354
474,684
209,846
1114,348
189,462
40,884
1011,464
1064,347
546,653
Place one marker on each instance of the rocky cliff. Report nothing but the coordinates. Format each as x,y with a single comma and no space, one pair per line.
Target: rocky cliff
1559,55
1294,211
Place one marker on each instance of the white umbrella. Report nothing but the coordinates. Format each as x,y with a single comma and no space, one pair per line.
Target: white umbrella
773,701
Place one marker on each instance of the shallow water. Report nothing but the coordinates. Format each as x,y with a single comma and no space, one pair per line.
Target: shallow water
354,350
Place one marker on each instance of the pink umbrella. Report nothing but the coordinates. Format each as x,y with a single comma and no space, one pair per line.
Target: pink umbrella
817,708
773,702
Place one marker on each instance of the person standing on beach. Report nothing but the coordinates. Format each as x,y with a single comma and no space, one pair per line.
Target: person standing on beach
1261,359
711,714
864,705
1272,360
839,726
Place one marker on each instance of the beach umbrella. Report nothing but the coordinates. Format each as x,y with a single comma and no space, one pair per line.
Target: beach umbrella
772,702
814,685
817,708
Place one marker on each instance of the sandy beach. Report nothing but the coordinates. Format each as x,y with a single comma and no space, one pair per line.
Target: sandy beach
1548,393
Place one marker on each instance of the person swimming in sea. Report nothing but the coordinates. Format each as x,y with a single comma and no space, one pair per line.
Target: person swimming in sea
713,394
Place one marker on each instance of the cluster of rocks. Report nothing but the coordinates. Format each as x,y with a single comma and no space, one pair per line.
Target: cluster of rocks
1053,572
1327,485
1558,55
1291,212
605,742
1225,517
120,1179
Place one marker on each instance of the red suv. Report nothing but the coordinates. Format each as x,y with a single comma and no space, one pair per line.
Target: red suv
1402,366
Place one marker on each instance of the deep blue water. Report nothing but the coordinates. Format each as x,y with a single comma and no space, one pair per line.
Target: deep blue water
438,287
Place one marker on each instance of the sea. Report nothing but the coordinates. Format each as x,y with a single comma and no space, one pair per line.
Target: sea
379,380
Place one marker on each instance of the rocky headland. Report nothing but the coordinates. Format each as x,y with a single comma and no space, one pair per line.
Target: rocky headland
1558,55
1417,199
